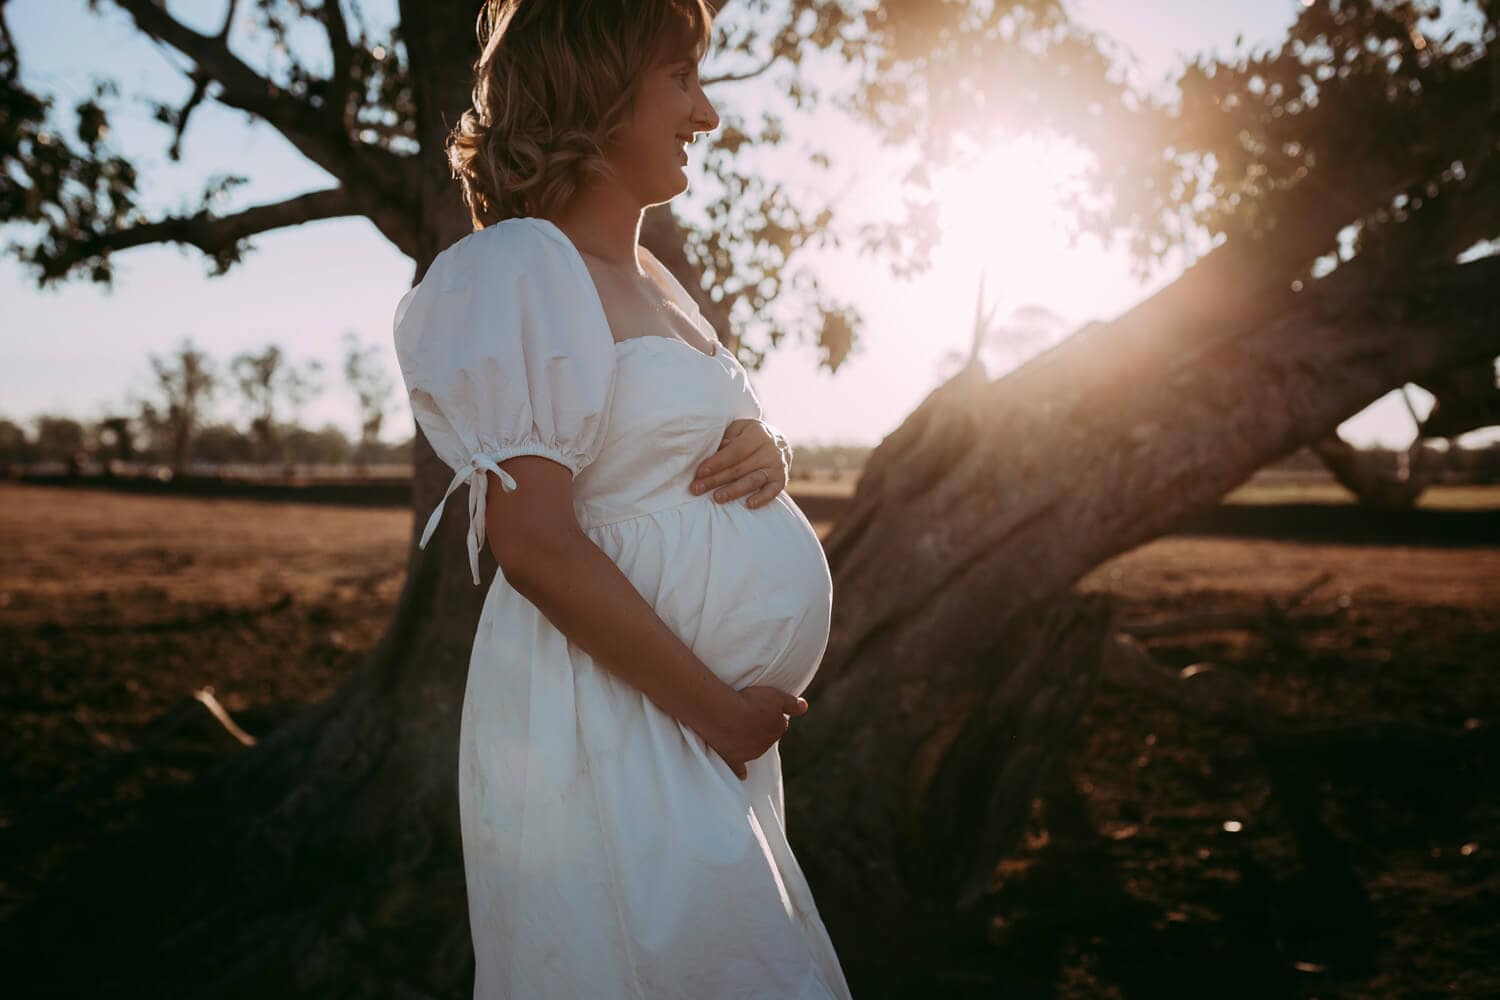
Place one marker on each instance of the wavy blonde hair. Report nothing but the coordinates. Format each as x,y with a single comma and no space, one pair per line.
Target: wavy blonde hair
554,83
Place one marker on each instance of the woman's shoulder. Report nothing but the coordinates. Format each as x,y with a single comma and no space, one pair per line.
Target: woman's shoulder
518,276
509,248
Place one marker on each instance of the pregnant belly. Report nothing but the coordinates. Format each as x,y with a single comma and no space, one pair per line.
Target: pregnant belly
747,590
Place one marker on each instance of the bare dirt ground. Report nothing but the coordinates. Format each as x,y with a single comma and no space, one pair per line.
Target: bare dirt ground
1159,861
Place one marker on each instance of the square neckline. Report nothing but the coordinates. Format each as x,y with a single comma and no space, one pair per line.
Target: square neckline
675,290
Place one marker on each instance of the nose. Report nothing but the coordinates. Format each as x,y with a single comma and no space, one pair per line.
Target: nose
705,118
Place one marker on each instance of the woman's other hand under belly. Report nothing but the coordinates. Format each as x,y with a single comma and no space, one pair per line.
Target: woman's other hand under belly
763,716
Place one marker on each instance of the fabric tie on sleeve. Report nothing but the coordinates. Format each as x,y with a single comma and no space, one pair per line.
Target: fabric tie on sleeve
505,351
474,473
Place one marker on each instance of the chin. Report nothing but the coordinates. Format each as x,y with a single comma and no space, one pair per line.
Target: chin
670,191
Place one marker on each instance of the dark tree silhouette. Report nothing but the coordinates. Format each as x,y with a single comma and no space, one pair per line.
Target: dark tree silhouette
15,447
186,380
372,388
266,379
59,439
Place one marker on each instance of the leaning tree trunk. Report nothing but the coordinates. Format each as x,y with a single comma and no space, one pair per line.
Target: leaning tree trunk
957,663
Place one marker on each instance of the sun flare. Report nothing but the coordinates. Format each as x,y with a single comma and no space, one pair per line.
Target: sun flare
1005,220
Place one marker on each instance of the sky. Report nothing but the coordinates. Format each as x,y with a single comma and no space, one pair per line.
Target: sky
81,350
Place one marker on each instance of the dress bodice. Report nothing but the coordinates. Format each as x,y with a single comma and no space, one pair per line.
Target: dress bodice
671,406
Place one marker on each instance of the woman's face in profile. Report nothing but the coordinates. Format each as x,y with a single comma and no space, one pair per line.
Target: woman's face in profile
650,156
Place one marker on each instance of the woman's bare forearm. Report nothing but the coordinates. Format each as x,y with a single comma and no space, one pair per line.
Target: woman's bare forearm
587,598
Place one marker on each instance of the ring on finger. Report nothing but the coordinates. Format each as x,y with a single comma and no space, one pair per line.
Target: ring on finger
765,480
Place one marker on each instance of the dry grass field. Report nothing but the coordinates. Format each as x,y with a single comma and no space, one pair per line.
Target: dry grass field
1158,861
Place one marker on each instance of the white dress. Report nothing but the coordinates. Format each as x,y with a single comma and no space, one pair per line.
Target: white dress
609,852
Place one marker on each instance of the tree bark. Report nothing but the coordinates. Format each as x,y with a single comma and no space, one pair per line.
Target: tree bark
932,715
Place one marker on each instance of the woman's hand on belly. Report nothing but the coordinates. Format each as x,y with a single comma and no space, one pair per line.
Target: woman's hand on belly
761,720
753,458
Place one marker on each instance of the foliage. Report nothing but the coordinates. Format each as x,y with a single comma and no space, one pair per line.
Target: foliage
1365,118
58,437
1371,113
265,379
170,420
326,445
186,380
930,78
372,388
15,446
59,187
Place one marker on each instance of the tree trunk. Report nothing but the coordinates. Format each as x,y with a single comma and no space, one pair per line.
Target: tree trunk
1374,483
933,713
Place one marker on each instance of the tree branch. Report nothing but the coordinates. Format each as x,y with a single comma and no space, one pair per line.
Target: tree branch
216,236
10,59
332,15
200,89
747,75
242,87
377,181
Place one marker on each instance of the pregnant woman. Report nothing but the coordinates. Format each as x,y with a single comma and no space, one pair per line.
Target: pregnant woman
643,645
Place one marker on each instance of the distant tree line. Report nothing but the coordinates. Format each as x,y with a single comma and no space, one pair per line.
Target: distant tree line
828,461
1424,462
170,424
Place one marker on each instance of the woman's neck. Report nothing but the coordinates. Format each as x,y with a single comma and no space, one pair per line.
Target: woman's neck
604,223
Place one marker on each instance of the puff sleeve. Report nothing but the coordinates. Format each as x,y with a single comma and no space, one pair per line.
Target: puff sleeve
505,351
